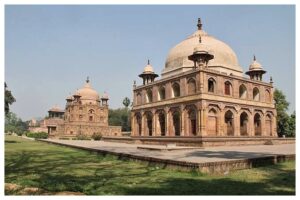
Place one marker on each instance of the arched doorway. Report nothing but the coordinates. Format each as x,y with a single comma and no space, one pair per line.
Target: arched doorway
229,124
212,122
162,123
257,124
244,124
269,125
176,122
192,120
149,122
139,124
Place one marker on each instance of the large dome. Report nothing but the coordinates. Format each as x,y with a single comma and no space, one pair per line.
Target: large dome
224,60
87,93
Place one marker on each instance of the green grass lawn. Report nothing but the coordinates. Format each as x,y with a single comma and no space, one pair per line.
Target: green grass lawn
55,169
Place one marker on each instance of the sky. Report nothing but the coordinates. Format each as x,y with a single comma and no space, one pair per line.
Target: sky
50,50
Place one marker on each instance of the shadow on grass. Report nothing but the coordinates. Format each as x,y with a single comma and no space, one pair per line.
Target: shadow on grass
11,141
79,171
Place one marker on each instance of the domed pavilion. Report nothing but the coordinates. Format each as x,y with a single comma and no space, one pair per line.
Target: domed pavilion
203,93
85,114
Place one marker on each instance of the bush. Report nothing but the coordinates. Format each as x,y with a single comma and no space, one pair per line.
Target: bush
82,137
38,135
97,136
64,138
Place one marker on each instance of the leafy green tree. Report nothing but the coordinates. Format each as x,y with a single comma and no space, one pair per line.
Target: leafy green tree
120,117
292,125
126,102
283,119
13,124
9,99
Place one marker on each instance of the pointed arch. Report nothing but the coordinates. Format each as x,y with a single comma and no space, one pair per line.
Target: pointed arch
191,86
256,95
242,91
161,93
229,123
257,124
244,124
212,121
211,83
228,88
175,90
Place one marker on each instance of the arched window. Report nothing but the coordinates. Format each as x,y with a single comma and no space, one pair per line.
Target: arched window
149,124
149,96
257,124
91,118
175,90
268,96
212,121
161,93
191,86
211,85
244,126
229,123
138,99
91,111
228,88
243,91
255,94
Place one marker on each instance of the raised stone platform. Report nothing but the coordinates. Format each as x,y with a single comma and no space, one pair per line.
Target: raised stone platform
167,147
199,141
208,160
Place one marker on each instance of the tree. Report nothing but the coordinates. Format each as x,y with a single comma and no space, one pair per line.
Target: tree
283,119
9,99
126,102
292,125
120,117
13,124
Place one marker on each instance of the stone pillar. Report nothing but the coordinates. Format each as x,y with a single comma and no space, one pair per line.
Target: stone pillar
201,81
251,125
133,123
204,121
167,123
199,122
263,124
236,124
153,124
220,129
182,121
274,126
143,124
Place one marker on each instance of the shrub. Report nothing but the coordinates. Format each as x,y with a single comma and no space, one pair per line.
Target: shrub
64,138
38,135
97,136
82,137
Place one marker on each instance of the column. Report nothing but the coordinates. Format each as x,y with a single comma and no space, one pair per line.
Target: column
153,124
182,122
143,124
133,122
220,125
263,125
167,129
199,133
236,124
251,125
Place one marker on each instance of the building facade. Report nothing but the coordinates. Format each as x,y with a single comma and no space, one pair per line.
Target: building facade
202,92
85,114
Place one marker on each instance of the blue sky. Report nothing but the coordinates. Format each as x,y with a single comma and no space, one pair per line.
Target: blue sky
50,50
